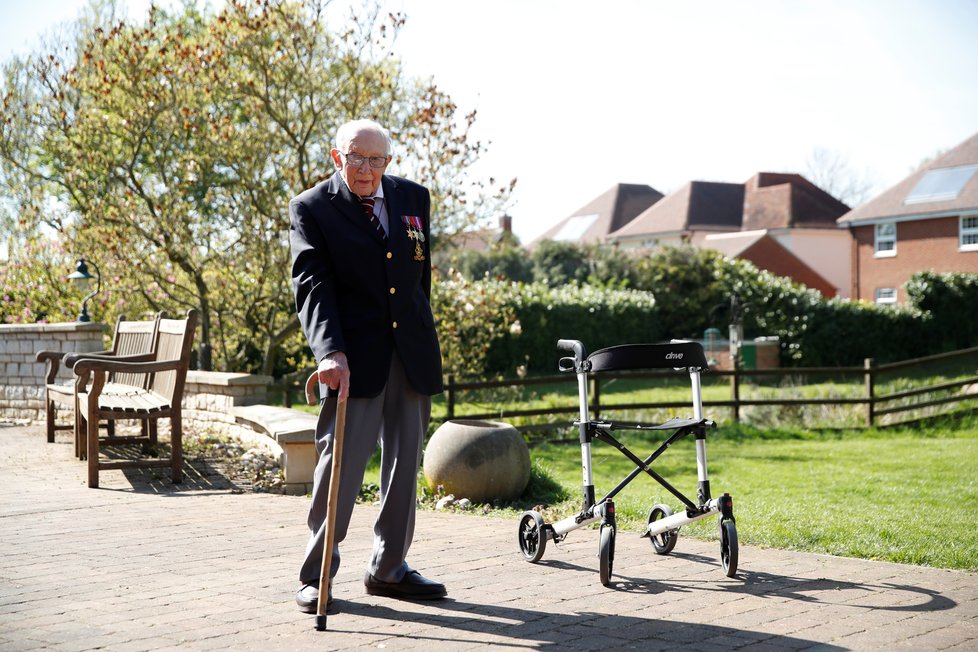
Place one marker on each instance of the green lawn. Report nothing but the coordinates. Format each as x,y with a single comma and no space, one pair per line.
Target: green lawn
901,496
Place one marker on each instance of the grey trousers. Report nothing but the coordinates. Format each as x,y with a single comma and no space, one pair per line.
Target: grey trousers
396,419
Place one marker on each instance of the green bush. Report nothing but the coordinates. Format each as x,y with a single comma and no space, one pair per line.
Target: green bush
685,281
947,303
815,331
574,297
470,317
692,290
557,263
508,262
599,317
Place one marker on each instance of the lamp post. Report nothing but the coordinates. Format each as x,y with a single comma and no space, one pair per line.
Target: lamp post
83,279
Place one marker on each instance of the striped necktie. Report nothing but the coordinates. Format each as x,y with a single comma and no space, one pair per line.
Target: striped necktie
368,210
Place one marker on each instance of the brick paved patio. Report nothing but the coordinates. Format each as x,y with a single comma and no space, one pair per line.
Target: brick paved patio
141,565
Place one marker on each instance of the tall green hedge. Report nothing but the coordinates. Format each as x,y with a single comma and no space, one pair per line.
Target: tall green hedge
949,305
815,331
598,317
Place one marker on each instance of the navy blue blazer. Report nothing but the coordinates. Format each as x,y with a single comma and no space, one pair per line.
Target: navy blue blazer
358,294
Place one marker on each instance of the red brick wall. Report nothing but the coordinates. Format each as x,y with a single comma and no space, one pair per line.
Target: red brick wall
922,245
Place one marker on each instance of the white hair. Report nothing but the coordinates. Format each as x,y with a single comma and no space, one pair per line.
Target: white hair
348,130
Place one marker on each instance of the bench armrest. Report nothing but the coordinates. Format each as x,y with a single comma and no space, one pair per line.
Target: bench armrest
45,356
72,359
87,365
53,360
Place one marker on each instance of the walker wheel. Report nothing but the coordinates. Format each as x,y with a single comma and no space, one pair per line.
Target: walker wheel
606,552
665,542
532,537
728,547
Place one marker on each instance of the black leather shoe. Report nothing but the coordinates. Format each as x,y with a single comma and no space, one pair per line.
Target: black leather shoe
308,599
413,586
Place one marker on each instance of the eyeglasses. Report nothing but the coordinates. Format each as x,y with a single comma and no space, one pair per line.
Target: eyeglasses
356,160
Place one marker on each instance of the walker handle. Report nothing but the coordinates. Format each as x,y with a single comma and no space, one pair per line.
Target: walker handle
573,345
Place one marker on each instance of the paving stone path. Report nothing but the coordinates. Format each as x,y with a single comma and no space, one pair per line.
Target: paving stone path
142,565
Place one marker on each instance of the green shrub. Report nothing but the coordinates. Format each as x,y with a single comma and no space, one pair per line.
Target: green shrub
557,263
599,317
947,303
693,289
470,317
506,262
815,331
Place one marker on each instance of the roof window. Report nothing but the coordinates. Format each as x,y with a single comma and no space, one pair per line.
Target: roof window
941,184
575,227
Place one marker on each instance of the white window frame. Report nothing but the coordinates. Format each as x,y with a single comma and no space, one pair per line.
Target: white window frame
885,295
877,240
968,226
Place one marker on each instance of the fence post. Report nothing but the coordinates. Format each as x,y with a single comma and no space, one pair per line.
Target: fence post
450,398
868,378
596,393
735,389
286,392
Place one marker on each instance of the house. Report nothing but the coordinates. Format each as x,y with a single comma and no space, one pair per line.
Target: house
928,221
608,212
780,222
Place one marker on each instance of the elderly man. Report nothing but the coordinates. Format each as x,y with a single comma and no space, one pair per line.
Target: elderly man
361,272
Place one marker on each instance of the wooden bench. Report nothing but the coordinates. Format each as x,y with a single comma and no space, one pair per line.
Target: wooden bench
158,398
132,341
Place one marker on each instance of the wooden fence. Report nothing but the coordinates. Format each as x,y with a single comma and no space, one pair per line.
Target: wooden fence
961,391
874,405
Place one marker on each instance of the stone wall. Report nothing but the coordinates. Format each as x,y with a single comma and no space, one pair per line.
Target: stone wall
22,377
209,396
209,399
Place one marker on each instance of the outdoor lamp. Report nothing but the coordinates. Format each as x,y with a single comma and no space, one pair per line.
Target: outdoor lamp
83,279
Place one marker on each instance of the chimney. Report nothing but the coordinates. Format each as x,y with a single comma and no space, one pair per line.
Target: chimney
506,223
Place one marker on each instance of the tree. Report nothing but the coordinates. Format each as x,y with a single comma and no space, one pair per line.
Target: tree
172,146
35,288
556,263
684,282
830,170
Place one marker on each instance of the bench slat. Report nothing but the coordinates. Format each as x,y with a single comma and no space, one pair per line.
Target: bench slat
124,398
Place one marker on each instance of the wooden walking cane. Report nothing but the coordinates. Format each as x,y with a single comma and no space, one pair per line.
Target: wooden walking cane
334,490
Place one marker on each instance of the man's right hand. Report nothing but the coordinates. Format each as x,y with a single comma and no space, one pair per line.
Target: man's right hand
335,374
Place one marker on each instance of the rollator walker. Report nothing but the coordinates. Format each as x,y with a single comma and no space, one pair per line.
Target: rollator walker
663,525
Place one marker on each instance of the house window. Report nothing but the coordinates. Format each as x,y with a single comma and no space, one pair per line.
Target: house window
886,295
885,240
969,233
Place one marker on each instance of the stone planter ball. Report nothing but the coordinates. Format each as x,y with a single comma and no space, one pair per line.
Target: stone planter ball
478,460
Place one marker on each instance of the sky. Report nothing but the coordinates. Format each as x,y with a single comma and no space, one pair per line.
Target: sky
576,96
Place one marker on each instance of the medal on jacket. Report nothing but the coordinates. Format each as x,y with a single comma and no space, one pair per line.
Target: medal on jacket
415,231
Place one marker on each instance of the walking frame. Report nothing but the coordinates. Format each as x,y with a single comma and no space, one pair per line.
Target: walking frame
663,524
